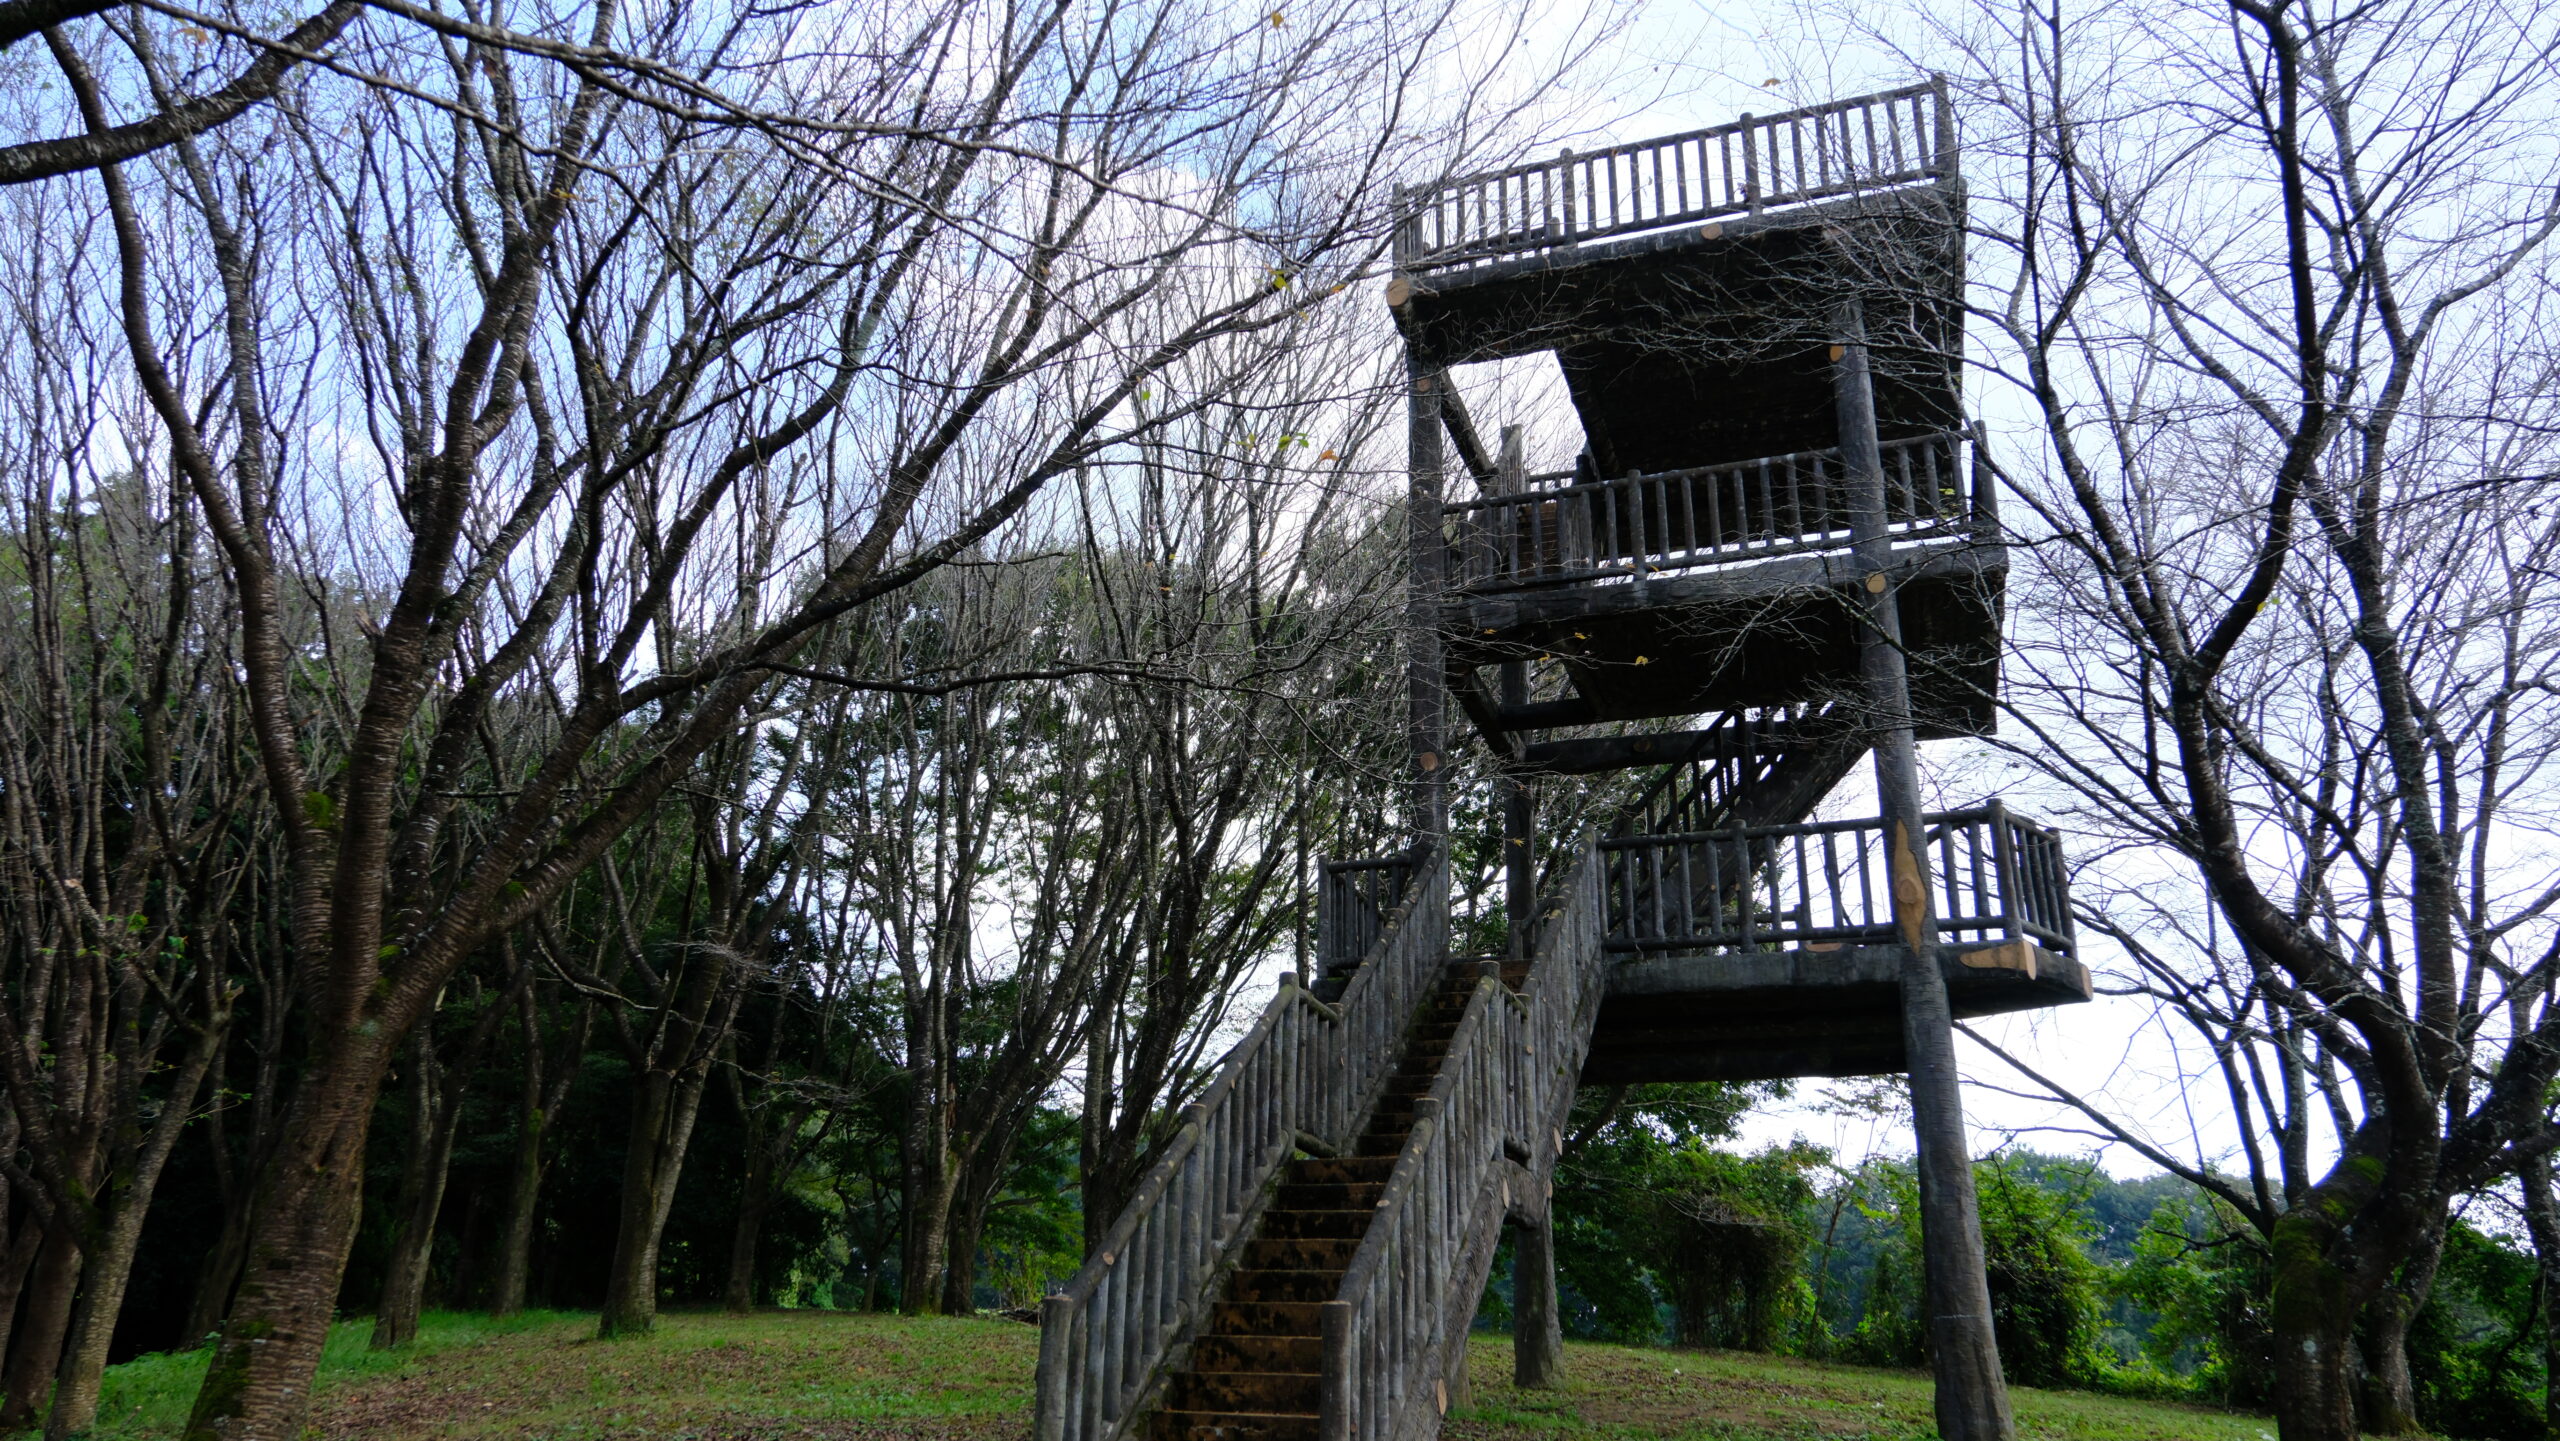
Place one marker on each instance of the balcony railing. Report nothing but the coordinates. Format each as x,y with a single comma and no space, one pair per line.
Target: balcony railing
1354,902
1757,163
1994,876
1674,520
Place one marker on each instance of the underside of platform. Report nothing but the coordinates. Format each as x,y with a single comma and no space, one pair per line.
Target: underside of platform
1776,632
1710,343
1799,1013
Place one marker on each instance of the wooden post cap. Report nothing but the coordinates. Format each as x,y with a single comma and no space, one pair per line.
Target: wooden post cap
1399,290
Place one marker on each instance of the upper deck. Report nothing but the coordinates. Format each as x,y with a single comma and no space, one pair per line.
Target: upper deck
1565,207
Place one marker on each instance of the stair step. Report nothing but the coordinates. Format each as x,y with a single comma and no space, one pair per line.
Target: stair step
1267,1318
1251,1392
1284,1285
1340,1170
1388,1145
1314,1225
1329,1195
1257,1353
1300,1253
1232,1426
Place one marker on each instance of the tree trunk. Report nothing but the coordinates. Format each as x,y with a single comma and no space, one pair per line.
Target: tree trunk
35,1346
960,1254
15,1267
631,1287
524,1193
738,1296
980,1177
220,1272
1537,1321
109,1269
930,1180
2312,1315
421,1199
2390,1394
258,1387
667,1105
2542,1223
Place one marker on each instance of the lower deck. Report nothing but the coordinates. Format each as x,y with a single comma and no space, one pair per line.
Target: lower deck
1808,1012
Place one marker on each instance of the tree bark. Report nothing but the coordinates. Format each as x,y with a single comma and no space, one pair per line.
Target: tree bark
304,1219
2390,1393
738,1295
524,1193
930,1179
2542,1224
662,1120
35,1345
2312,1314
421,1198
631,1287
1537,1322
15,1267
219,1273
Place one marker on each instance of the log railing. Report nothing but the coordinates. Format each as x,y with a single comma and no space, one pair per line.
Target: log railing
1994,876
1699,792
1640,525
1489,1121
1354,900
1306,1072
1757,163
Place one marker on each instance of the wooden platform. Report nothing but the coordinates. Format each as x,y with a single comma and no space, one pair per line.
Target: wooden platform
1767,633
1710,343
1798,1013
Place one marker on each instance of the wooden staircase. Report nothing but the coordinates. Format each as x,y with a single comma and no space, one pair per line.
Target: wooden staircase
1256,1373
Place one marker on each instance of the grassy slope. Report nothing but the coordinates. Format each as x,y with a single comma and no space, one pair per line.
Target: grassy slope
815,1374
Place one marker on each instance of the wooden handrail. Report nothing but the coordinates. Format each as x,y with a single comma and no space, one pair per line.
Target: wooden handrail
1502,1090
1996,876
1745,167
1306,1070
1734,511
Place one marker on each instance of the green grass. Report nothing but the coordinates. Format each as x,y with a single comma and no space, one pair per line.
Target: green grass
1614,1392
835,1377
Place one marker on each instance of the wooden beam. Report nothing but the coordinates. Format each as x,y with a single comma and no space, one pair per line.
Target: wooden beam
1482,710
1462,433
1590,755
1546,714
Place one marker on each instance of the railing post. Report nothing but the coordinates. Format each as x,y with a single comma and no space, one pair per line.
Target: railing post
1057,1320
1944,110
1750,165
1333,1415
2004,863
1986,489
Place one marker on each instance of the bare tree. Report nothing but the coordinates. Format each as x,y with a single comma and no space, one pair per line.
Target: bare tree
127,825
577,358
2269,277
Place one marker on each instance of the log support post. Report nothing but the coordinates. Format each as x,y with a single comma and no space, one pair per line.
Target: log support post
1972,1395
1537,1324
1426,686
1519,800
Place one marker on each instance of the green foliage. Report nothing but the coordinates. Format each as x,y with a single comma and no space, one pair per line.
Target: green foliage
2044,1288
1733,1244
1639,1171
2045,1291
2475,1348
2204,1274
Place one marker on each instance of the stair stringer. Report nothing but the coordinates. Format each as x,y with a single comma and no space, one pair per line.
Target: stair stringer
1502,1094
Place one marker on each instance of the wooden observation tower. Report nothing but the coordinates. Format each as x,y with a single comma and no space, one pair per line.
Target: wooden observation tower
1777,557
